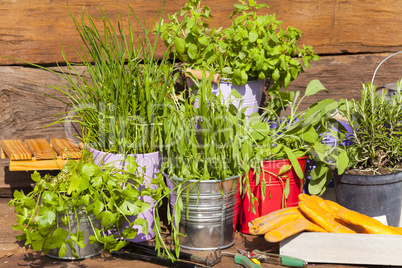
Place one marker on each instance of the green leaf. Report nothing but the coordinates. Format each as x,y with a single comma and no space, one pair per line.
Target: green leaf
35,176
342,162
50,198
313,87
97,206
129,207
108,218
236,94
84,184
144,224
294,161
309,135
75,181
63,250
192,51
46,216
130,233
203,40
180,45
284,169
240,7
319,172
237,77
244,77
131,164
57,239
89,169
253,36
276,75
318,186
320,150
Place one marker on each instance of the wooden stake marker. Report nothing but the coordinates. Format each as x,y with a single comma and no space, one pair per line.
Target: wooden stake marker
38,154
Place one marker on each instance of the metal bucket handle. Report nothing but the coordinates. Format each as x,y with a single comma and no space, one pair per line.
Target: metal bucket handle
372,80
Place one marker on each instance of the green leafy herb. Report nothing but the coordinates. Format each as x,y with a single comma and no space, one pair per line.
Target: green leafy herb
376,122
252,47
39,211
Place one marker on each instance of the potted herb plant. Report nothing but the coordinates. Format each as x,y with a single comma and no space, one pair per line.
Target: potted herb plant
121,98
70,215
202,164
278,149
252,49
372,184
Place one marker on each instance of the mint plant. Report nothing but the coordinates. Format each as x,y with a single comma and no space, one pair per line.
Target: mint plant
253,47
108,193
256,48
188,30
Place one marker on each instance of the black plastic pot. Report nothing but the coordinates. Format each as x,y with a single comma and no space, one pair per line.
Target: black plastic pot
372,195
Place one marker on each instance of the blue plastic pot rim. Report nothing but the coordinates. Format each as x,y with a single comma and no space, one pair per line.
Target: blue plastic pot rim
359,179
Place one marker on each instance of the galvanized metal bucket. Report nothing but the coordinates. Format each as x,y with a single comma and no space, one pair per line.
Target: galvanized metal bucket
213,208
84,223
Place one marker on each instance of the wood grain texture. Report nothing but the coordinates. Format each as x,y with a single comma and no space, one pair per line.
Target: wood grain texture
37,31
40,148
344,75
23,165
15,150
65,148
25,110
38,154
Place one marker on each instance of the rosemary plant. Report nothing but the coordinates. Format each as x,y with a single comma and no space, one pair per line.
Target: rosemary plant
376,121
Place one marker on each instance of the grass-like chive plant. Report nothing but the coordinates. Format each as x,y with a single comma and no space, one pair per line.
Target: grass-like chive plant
123,93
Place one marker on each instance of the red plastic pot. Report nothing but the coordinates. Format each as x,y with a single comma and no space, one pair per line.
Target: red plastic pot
273,193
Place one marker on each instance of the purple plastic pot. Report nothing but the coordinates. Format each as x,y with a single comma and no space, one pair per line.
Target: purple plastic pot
251,93
329,139
152,163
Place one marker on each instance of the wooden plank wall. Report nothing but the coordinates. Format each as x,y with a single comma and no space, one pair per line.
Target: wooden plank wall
351,36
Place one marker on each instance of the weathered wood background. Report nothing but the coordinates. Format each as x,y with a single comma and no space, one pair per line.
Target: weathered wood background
351,36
